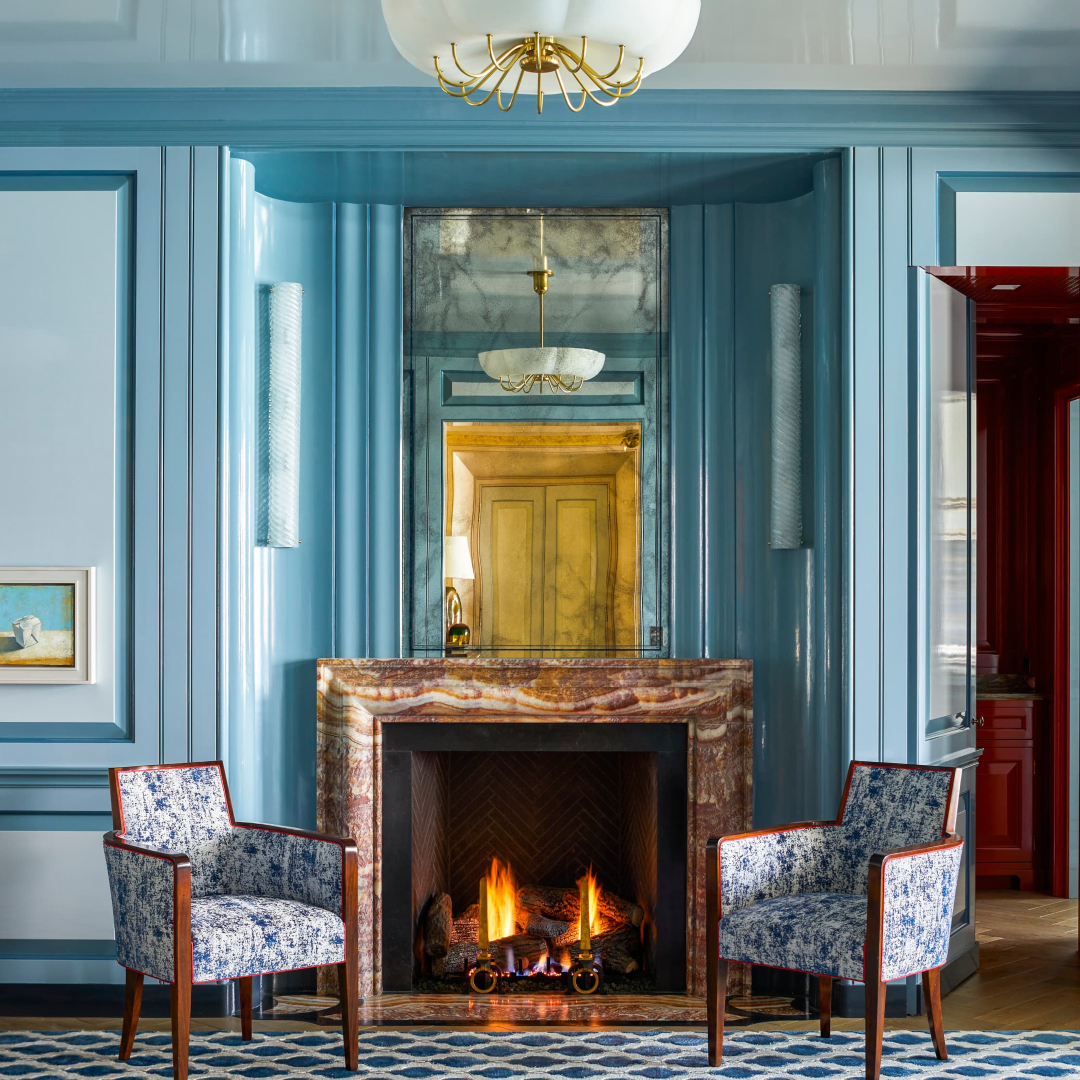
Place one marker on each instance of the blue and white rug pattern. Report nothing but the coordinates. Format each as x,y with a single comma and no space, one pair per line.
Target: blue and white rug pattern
548,1054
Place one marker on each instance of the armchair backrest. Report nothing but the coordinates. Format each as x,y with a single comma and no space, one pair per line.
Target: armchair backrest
886,807
183,808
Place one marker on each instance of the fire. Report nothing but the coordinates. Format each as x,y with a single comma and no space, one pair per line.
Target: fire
501,900
595,922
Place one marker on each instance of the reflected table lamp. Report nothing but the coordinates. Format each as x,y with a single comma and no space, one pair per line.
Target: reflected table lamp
457,563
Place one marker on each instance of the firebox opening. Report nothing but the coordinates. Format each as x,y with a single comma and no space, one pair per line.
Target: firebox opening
546,803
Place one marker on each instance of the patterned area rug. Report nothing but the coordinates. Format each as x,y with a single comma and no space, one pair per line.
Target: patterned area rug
532,1055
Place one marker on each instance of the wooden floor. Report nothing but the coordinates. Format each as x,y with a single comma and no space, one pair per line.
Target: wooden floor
1029,977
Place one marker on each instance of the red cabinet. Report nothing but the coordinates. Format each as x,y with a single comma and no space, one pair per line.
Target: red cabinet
1005,833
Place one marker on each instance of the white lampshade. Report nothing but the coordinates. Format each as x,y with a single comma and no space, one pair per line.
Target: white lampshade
457,562
659,32
542,360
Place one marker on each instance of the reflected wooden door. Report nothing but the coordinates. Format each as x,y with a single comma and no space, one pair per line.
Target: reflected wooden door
546,567
511,567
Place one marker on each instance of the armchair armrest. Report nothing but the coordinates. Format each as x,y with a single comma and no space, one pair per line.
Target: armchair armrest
151,901
295,864
910,898
754,866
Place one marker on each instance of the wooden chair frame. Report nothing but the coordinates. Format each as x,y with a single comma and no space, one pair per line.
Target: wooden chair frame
716,968
180,988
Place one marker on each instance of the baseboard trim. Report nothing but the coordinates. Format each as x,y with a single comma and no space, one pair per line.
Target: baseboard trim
59,960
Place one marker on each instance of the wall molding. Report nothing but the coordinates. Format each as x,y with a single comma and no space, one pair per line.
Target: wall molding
423,118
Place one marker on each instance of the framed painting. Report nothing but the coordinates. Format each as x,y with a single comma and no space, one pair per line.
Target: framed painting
46,624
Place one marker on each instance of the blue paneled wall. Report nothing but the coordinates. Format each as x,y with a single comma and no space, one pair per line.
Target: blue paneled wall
731,596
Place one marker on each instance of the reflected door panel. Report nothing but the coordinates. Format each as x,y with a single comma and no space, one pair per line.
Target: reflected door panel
577,571
511,566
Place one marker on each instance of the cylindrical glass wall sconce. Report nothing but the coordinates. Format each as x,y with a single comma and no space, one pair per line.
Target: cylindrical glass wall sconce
785,517
283,416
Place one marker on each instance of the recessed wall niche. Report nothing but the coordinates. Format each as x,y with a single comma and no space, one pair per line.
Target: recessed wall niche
466,290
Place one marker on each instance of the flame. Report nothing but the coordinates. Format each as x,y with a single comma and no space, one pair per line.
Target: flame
596,923
502,901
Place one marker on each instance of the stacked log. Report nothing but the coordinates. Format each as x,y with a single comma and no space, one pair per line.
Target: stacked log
555,902
548,921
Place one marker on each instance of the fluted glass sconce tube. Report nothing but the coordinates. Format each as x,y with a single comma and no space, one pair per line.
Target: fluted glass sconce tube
785,518
283,416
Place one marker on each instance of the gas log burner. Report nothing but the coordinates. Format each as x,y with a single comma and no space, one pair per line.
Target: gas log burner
534,856
552,937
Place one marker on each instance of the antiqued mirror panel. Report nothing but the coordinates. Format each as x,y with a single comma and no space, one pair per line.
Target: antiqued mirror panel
536,507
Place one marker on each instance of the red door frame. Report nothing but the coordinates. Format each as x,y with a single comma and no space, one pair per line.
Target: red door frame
1059,823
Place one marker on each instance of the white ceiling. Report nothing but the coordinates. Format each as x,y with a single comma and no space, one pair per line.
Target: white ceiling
739,44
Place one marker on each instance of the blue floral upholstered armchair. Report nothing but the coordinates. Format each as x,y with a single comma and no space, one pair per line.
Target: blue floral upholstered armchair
868,897
199,897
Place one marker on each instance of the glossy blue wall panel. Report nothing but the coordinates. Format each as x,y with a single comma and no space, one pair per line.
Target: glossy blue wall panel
293,598
237,387
829,601
189,620
867,404
897,527
776,625
687,425
350,551
719,586
383,455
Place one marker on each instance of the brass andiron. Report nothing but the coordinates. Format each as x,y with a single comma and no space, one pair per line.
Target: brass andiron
586,973
483,978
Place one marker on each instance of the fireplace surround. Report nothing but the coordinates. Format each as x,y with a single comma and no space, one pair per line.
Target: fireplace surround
387,727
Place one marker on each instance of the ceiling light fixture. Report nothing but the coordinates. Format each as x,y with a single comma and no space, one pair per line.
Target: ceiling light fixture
479,49
556,368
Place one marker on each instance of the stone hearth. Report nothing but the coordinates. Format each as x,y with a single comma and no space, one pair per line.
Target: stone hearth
712,698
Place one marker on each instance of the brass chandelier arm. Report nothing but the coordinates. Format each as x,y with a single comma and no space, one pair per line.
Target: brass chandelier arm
502,56
466,90
554,383
611,96
540,55
613,90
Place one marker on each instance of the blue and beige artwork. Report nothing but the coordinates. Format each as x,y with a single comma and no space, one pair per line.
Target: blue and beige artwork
37,625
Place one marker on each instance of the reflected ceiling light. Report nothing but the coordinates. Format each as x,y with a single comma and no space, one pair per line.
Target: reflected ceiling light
602,49
556,368
1003,288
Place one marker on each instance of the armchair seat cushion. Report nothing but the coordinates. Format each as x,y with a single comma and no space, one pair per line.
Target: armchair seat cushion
234,936
822,933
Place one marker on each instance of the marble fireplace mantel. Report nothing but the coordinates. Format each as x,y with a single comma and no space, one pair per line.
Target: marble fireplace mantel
356,697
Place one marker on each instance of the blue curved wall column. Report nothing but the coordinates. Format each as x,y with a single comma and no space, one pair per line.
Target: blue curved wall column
384,433
350,455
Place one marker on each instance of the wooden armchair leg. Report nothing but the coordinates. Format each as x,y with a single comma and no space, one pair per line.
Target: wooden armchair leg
132,1005
180,1008
825,1004
875,1027
932,992
244,985
348,976
715,1007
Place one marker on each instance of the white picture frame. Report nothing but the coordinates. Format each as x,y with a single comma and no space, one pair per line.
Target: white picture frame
37,650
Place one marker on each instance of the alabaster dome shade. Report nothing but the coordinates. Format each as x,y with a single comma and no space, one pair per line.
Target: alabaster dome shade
658,30
542,360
